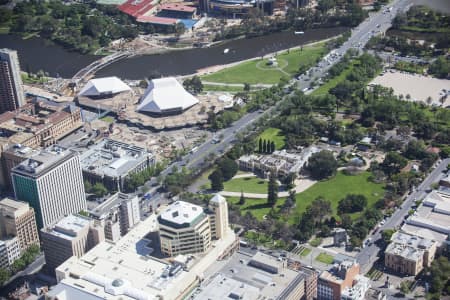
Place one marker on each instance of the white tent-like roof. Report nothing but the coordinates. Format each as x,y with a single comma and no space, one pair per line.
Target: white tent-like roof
166,95
104,86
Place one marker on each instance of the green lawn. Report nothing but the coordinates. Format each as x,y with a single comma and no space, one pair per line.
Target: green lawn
305,252
316,242
257,71
4,30
275,135
323,89
325,258
258,207
222,88
246,184
336,189
108,119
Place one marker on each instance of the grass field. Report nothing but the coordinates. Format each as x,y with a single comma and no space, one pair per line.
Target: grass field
325,258
305,252
275,135
107,119
222,88
258,207
316,242
336,189
257,71
246,184
323,90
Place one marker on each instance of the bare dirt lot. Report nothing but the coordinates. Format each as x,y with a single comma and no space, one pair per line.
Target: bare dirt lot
419,87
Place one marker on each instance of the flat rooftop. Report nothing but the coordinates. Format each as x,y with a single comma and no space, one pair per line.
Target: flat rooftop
11,206
126,270
105,207
221,286
238,270
44,161
181,214
112,158
431,220
408,246
69,227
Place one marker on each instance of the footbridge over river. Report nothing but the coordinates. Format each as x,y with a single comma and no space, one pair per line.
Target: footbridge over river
98,64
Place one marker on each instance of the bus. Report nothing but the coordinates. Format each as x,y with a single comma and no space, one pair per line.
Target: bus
193,150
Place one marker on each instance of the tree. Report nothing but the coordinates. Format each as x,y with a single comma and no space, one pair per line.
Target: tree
440,67
193,85
272,146
322,165
246,87
264,147
228,167
290,202
393,163
386,235
242,199
272,190
320,208
346,221
5,274
99,190
260,146
440,274
216,179
352,203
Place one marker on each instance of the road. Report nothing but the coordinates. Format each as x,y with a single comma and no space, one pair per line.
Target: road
17,279
376,23
368,255
379,21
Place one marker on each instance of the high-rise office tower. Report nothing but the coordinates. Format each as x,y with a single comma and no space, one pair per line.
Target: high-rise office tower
17,219
52,183
11,91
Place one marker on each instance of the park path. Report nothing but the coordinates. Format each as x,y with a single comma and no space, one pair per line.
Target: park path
257,85
300,186
246,175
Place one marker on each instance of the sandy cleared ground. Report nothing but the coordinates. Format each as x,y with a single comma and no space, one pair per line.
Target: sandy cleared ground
419,87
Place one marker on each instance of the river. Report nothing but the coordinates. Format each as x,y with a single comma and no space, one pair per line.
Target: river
38,54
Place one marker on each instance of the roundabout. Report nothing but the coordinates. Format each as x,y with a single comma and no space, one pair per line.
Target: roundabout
264,66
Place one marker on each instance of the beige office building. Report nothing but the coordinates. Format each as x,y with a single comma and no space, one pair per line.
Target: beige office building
17,219
218,213
73,235
409,254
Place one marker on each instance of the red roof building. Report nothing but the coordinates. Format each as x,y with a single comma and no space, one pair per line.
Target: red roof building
137,8
177,7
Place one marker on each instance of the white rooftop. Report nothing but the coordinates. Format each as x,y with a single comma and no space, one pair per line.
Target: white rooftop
218,199
181,212
165,94
125,270
69,227
104,86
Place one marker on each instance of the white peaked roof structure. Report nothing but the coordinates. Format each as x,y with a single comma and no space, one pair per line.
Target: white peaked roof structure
106,86
166,96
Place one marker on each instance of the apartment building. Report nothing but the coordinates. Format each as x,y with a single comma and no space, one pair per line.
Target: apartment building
9,251
11,91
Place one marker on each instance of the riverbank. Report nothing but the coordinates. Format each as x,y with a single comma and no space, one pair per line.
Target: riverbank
37,54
